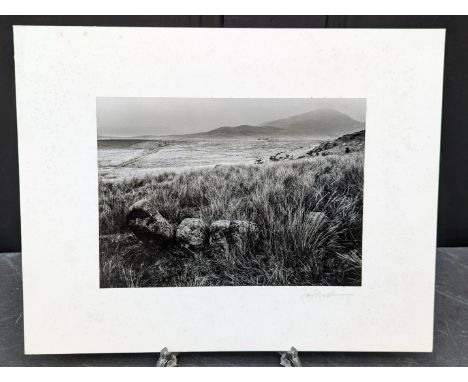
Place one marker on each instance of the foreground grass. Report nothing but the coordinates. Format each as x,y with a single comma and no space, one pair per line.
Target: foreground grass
294,249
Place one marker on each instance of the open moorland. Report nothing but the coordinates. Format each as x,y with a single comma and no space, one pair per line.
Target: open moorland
304,207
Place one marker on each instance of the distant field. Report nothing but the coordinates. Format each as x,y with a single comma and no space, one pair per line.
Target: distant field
121,159
294,249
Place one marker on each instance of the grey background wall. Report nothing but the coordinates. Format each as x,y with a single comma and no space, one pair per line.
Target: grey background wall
453,186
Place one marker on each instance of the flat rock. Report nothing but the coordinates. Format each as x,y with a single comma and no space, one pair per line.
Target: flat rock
148,225
192,233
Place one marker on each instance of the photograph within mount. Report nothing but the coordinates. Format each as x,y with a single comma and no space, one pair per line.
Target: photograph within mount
230,192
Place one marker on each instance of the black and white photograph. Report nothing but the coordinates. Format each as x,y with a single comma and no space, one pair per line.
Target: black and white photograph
200,192
188,190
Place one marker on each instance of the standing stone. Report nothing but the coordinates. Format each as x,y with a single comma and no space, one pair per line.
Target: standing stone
149,225
192,233
240,231
219,233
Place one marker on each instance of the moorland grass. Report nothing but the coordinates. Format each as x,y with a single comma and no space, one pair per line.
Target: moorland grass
294,248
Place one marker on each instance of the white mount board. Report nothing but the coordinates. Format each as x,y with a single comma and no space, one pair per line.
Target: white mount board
59,73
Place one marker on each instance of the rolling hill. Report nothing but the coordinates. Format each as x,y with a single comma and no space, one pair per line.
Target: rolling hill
241,131
321,123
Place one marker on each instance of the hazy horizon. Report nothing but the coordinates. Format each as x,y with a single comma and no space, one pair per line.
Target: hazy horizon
136,116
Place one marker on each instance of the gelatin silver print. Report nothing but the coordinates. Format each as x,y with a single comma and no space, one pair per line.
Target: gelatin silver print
197,192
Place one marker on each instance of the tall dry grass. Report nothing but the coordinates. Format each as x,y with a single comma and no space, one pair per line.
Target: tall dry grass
295,247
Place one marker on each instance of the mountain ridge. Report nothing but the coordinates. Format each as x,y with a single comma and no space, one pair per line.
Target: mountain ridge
323,123
240,130
317,123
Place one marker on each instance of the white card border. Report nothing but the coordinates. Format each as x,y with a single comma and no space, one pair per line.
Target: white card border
59,73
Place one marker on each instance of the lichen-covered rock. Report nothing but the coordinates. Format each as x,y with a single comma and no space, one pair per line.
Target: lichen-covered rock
148,225
192,233
219,233
240,231
280,156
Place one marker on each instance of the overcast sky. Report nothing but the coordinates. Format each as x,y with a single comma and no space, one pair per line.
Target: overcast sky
120,116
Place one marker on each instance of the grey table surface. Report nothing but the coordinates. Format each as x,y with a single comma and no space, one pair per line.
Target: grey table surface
450,330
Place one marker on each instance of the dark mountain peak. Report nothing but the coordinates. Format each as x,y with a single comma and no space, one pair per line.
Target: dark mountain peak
319,123
317,115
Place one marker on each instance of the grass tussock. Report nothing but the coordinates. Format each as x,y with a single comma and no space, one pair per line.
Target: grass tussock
295,248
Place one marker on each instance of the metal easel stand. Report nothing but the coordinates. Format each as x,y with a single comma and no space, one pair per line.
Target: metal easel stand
167,359
290,358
